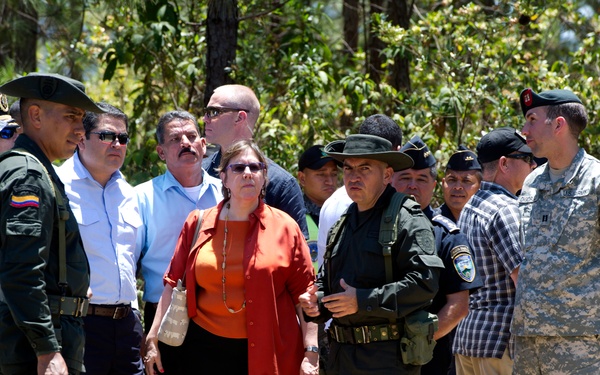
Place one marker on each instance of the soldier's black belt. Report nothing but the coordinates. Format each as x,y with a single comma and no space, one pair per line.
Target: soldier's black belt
112,311
365,334
74,306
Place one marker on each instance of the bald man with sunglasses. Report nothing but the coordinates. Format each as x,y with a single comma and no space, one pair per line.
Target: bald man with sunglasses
230,116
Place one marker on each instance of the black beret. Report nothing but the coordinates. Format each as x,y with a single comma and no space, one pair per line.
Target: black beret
463,160
51,87
313,158
529,99
419,152
500,142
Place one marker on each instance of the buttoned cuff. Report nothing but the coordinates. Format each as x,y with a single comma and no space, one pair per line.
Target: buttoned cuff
45,345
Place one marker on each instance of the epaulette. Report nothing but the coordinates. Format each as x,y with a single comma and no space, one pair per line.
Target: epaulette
412,206
443,221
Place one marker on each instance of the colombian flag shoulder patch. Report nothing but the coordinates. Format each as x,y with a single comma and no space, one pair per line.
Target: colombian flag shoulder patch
25,201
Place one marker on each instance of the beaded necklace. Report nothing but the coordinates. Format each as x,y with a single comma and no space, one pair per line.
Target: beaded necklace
224,265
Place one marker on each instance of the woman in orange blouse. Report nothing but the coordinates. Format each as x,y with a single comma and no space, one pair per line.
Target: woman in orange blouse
248,267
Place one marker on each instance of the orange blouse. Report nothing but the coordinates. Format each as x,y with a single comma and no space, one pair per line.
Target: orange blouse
211,313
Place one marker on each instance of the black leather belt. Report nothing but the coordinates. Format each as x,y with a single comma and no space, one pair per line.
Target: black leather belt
365,334
112,311
62,305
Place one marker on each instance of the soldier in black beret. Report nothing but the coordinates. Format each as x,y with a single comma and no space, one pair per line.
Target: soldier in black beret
555,321
462,179
44,273
451,303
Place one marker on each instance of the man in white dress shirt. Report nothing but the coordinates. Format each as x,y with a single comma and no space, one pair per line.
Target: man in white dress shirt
106,210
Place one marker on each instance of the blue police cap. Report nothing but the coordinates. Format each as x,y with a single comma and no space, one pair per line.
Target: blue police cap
419,152
463,160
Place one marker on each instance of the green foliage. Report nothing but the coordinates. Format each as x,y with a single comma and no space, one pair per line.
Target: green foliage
468,64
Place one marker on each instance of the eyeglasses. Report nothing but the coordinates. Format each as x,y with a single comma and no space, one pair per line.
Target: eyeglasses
527,158
239,168
8,132
212,112
109,137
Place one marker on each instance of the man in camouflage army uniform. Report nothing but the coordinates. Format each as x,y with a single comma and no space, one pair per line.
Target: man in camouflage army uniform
459,277
558,296
367,310
44,291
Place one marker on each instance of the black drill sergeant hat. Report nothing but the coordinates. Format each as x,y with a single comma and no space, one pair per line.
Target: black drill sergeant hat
53,88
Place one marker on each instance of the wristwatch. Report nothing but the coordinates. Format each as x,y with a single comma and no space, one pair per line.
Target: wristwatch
314,349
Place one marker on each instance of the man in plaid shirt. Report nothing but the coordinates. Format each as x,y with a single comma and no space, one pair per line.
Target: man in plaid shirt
490,220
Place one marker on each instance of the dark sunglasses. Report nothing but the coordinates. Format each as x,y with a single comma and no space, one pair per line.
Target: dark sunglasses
527,158
239,168
8,133
212,112
109,137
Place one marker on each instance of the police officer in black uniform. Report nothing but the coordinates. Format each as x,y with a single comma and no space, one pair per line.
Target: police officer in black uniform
459,276
461,181
44,273
368,310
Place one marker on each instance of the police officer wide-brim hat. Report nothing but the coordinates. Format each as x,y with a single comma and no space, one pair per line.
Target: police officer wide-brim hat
529,99
51,87
364,146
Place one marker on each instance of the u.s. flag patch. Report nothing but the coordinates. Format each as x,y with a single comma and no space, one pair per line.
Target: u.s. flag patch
25,201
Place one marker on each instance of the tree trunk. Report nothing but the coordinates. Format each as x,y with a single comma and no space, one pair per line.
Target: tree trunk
374,44
18,35
221,43
400,75
351,19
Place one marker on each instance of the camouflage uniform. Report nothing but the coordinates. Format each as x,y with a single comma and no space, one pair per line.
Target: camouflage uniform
558,300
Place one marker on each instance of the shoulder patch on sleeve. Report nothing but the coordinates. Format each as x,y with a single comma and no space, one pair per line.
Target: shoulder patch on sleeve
463,263
446,223
25,196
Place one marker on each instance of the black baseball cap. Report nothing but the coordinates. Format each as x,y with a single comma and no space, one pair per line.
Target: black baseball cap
53,88
529,99
500,142
313,158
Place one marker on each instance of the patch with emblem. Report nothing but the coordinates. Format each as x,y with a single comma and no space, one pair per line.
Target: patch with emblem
22,201
463,263
314,250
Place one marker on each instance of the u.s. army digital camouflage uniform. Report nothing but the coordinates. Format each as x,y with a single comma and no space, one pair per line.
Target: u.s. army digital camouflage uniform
557,313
